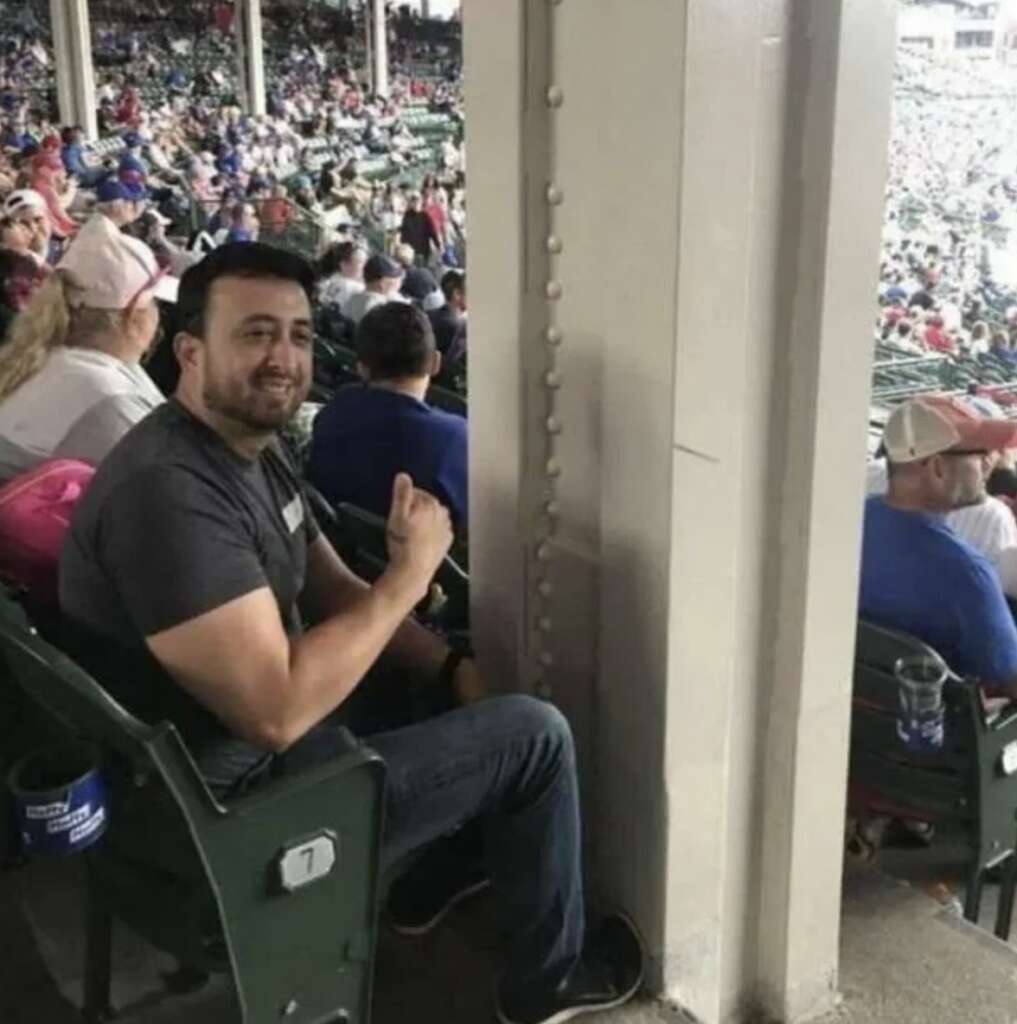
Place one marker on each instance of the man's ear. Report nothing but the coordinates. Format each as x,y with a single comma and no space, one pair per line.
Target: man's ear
436,364
185,347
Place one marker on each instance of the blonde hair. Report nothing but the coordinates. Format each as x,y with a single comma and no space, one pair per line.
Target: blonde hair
48,323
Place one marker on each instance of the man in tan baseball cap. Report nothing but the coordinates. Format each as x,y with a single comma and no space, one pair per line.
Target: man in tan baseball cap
918,576
940,451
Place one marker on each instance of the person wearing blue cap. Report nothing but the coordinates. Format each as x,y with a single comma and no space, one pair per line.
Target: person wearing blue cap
121,203
382,279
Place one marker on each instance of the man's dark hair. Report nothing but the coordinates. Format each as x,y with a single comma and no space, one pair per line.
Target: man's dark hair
452,281
395,340
335,256
236,259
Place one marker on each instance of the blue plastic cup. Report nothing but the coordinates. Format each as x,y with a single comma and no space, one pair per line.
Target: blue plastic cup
60,799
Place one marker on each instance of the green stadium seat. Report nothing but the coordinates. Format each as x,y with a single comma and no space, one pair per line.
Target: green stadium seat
213,883
969,786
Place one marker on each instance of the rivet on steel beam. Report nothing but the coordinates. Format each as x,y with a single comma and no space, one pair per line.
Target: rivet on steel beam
545,588
546,659
554,290
544,624
553,425
555,96
555,196
553,336
544,552
554,244
544,691
553,467
552,379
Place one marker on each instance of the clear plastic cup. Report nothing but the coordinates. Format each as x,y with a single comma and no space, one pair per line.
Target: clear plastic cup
920,679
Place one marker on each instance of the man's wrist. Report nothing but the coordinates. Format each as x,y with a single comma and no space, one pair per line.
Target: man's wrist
404,577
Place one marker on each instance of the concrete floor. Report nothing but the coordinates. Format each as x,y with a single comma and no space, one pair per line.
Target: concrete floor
905,960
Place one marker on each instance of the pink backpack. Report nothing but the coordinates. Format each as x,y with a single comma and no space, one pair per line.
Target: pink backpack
35,512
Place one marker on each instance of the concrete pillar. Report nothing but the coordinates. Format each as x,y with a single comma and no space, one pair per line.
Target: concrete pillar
251,57
72,55
379,32
841,59
368,8
670,388
425,9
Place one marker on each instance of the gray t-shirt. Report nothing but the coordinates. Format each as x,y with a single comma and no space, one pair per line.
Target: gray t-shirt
77,406
173,525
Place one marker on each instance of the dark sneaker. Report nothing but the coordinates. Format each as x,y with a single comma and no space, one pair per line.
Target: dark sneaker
608,975
420,899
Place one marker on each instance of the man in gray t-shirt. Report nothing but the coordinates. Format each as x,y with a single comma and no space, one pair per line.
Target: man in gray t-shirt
206,525
194,551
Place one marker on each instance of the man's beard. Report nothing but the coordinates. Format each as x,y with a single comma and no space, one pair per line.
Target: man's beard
260,410
968,500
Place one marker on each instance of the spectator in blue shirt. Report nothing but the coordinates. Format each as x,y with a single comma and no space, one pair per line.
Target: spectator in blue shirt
244,224
368,433
75,162
130,159
917,575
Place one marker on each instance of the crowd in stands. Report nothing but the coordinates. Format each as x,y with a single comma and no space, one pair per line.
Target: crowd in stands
948,281
182,171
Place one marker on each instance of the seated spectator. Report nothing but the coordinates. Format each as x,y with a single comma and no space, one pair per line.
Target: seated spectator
244,224
449,321
277,212
49,180
194,556
419,285
382,278
20,277
71,383
368,434
119,203
304,195
987,524
341,272
29,208
75,161
917,575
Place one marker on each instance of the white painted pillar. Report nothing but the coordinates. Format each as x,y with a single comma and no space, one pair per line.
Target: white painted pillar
670,270
425,9
251,57
72,53
841,64
368,9
380,38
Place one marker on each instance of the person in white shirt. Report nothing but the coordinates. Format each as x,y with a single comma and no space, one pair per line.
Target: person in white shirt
342,273
383,278
71,383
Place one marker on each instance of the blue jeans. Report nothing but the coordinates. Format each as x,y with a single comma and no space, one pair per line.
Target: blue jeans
508,762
